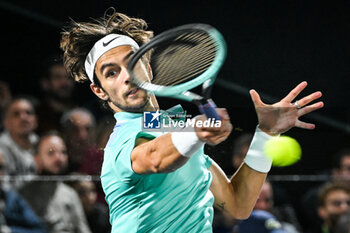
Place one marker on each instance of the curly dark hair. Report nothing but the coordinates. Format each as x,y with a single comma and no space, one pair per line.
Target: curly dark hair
77,41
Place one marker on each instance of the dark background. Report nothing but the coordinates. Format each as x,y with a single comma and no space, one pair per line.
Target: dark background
272,46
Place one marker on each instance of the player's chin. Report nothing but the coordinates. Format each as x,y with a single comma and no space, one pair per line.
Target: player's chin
138,98
136,105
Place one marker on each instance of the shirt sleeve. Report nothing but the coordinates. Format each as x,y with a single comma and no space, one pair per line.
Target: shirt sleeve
207,161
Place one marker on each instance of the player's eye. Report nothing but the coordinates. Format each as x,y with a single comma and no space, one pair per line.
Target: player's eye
111,73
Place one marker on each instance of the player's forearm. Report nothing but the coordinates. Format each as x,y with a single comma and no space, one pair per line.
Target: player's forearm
250,177
157,156
246,185
165,155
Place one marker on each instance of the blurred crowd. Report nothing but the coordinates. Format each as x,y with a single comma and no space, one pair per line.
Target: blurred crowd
52,135
55,133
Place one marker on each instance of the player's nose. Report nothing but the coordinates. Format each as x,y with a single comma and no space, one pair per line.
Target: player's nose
126,75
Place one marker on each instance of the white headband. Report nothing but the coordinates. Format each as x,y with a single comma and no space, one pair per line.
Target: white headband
103,45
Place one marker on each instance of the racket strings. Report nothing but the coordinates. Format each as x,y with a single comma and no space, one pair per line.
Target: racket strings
184,51
186,76
183,59
176,75
192,53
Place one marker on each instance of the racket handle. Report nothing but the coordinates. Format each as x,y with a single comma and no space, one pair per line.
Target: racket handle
209,110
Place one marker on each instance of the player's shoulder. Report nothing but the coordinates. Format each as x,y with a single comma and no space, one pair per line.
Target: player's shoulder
122,133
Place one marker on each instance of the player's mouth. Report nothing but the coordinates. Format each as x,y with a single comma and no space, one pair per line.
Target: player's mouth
132,92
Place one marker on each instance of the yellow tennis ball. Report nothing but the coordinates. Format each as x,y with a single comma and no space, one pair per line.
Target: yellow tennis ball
283,151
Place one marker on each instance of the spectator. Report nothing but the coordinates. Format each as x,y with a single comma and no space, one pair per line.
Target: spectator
339,172
240,149
18,139
260,221
78,127
343,225
333,201
15,214
57,96
104,128
341,168
284,213
96,213
55,202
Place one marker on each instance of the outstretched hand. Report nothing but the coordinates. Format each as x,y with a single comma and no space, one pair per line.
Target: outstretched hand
281,116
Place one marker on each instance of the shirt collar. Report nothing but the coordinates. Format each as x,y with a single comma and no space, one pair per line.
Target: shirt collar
123,117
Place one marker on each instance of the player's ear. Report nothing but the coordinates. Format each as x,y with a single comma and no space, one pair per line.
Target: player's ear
98,91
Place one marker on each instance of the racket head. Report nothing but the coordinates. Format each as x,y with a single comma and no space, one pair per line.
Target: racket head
196,48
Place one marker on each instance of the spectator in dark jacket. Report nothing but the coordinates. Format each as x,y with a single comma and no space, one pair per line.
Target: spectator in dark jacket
15,214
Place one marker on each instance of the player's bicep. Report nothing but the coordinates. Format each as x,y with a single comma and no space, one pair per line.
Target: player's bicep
221,188
156,156
138,156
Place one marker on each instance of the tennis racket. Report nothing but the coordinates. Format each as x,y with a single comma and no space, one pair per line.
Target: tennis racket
181,59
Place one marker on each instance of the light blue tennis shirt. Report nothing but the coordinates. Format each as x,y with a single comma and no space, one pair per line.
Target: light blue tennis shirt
179,201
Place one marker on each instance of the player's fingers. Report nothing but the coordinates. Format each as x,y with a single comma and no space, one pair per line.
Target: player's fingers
256,98
304,101
310,108
223,113
216,128
211,139
295,92
210,129
304,125
217,139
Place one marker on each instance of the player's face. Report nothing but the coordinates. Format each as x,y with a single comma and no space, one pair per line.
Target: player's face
117,89
20,118
52,155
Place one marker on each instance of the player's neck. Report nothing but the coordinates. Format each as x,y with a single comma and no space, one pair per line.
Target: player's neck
151,105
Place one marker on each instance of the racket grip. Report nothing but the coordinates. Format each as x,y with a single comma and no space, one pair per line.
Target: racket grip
209,110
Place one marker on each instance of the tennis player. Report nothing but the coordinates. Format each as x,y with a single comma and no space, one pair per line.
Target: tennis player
158,182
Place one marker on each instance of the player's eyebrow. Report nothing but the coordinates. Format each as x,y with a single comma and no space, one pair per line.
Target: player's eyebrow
128,55
104,66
